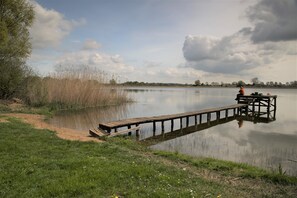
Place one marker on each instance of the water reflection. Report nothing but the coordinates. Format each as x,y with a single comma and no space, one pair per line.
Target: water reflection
161,137
89,118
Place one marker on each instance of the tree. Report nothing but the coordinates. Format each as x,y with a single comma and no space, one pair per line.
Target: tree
16,17
113,82
255,81
240,83
197,82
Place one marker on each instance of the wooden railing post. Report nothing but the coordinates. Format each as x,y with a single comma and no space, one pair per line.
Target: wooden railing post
208,118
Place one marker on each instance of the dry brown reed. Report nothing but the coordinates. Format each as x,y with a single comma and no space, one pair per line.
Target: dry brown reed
73,88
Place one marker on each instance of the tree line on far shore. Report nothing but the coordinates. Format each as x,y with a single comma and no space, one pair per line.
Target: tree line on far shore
254,83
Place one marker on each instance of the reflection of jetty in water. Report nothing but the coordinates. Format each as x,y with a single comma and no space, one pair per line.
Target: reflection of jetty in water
251,106
154,139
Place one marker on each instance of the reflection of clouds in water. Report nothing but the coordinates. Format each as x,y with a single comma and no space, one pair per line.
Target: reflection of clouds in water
275,149
285,127
264,149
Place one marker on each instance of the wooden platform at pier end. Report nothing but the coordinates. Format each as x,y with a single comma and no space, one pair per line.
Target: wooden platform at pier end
142,120
259,104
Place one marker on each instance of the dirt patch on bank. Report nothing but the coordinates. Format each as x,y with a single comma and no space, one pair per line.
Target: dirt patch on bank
2,120
65,133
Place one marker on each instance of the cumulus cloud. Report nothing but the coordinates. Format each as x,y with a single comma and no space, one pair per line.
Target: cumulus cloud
91,45
269,41
230,54
274,20
112,64
50,27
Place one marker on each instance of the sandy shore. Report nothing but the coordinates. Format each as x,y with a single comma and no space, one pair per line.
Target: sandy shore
65,133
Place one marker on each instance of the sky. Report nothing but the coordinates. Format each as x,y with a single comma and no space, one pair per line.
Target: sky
169,41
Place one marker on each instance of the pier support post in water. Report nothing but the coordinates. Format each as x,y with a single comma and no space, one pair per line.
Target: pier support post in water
187,120
200,118
181,123
129,127
154,128
268,109
208,118
274,109
137,131
218,115
163,127
172,125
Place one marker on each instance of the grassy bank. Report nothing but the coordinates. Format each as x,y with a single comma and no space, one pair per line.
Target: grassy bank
35,163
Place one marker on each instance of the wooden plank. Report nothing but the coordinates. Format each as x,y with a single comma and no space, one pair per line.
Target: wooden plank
124,131
97,133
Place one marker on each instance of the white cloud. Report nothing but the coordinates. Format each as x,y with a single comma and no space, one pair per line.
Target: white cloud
50,27
112,64
166,74
233,54
230,54
199,47
91,45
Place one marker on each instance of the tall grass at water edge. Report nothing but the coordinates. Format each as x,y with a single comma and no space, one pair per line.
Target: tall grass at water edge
73,89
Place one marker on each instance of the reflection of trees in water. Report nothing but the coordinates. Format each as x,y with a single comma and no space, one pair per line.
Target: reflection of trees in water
135,90
90,117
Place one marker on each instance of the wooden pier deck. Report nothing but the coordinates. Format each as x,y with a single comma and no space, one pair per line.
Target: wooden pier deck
107,127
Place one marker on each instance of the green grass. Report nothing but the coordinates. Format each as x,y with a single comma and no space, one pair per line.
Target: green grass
228,168
35,163
4,108
47,111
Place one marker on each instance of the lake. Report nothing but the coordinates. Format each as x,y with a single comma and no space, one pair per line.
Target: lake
265,145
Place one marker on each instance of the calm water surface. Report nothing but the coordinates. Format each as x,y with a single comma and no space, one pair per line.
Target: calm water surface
265,145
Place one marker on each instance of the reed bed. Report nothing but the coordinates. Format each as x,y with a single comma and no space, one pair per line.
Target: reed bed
73,89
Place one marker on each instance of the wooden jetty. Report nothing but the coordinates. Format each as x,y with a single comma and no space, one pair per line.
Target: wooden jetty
108,127
246,104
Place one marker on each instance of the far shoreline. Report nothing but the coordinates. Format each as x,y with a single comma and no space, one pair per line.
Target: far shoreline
205,86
